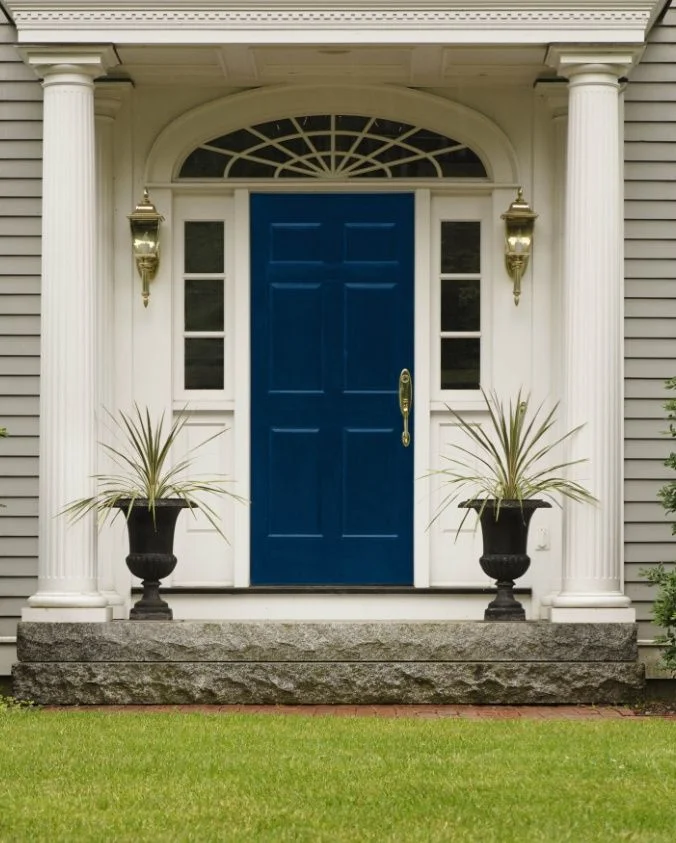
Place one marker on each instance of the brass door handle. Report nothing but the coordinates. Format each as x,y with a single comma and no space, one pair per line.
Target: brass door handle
405,403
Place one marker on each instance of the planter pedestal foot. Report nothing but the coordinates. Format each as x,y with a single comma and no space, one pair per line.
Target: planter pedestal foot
505,607
151,607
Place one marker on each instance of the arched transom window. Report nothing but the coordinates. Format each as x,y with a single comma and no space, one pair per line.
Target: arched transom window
332,146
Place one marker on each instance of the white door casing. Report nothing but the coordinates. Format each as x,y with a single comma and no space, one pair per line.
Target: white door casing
438,561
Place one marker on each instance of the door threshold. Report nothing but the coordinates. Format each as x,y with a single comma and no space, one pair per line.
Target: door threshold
333,589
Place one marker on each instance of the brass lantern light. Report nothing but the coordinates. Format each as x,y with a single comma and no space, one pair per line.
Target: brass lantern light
145,235
519,224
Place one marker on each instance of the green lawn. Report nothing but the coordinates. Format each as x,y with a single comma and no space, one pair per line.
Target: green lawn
78,776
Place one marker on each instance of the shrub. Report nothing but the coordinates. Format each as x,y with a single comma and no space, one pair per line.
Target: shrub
664,607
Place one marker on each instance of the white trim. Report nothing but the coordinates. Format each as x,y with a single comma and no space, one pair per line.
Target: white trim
242,386
421,392
323,21
228,113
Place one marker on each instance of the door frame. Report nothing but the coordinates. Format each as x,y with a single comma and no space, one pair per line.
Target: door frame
242,375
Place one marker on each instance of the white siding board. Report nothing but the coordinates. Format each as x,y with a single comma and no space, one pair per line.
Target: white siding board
20,210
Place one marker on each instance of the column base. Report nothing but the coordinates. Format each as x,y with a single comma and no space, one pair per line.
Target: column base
116,603
591,614
71,614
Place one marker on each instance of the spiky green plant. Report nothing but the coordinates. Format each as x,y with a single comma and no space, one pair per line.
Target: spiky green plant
146,475
509,461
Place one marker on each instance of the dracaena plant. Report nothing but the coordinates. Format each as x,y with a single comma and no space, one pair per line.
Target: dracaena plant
141,453
512,459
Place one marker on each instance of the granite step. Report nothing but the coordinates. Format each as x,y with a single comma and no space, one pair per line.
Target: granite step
327,663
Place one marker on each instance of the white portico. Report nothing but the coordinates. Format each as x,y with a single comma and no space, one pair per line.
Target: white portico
178,76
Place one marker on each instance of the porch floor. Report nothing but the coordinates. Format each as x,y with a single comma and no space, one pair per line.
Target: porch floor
396,663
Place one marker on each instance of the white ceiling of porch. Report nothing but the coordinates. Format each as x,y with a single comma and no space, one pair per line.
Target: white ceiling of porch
421,65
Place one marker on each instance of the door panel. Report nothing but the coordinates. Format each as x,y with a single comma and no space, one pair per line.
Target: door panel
332,327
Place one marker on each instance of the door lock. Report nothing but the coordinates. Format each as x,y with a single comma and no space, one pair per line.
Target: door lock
405,403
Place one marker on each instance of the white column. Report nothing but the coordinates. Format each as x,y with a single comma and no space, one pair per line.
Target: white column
555,95
108,97
67,577
593,293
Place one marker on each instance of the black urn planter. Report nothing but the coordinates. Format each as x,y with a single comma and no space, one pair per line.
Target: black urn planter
504,555
151,552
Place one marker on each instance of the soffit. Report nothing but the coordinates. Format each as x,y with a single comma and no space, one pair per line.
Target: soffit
489,22
244,65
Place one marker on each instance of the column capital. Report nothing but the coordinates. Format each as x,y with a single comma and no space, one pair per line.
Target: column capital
109,96
93,60
555,94
572,60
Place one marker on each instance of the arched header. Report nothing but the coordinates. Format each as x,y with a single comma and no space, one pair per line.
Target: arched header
457,131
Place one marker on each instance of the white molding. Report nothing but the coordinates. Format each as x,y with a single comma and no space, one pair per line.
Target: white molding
378,21
93,59
242,386
570,60
421,387
232,112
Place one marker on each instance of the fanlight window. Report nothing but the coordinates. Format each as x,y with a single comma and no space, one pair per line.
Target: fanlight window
332,146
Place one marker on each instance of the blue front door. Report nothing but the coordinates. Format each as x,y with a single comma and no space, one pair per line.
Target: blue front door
331,328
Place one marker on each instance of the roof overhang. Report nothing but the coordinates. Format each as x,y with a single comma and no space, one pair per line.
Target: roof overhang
462,22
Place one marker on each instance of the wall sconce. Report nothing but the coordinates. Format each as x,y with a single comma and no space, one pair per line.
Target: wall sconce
145,237
519,224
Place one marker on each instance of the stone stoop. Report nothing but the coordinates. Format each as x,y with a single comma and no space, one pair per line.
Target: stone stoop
313,663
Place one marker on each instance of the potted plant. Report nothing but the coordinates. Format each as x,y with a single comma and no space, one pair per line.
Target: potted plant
151,494
508,471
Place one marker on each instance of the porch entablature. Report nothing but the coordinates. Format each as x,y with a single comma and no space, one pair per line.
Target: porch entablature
488,22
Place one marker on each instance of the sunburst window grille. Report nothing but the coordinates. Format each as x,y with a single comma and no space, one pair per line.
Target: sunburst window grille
332,146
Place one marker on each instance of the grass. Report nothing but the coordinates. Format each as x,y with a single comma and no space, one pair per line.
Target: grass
91,776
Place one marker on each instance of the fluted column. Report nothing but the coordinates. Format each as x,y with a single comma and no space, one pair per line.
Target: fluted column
67,576
593,337
108,98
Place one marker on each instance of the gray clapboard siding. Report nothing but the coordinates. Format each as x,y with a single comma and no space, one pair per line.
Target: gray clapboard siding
650,312
20,209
